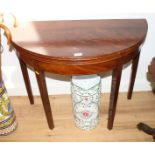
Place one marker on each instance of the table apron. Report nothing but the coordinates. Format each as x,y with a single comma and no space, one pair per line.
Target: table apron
77,69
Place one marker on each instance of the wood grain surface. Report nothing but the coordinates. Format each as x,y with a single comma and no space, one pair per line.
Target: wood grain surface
33,127
92,38
78,47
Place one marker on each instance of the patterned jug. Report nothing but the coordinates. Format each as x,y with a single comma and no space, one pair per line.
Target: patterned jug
7,116
86,92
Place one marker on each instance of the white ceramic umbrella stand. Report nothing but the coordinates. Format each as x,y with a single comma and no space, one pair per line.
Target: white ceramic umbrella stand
86,91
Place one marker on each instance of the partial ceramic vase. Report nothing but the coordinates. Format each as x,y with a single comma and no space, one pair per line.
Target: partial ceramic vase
86,92
8,121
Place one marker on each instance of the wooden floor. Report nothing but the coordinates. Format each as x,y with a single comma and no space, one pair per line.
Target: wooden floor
32,124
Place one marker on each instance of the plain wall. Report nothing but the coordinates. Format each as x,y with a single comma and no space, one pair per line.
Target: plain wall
61,84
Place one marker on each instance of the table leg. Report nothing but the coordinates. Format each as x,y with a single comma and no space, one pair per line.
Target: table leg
116,77
133,75
45,99
27,80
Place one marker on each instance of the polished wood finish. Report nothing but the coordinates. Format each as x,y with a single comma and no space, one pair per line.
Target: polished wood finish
80,47
133,75
44,96
147,129
116,77
101,44
26,80
33,126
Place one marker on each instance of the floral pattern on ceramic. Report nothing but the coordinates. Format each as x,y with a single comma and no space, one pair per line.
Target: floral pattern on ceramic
7,117
86,104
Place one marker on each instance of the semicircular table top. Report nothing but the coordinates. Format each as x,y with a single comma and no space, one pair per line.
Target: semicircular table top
79,39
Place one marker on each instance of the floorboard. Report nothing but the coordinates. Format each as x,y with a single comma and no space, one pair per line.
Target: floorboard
32,125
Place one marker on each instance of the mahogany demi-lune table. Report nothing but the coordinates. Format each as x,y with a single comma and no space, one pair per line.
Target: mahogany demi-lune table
79,47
